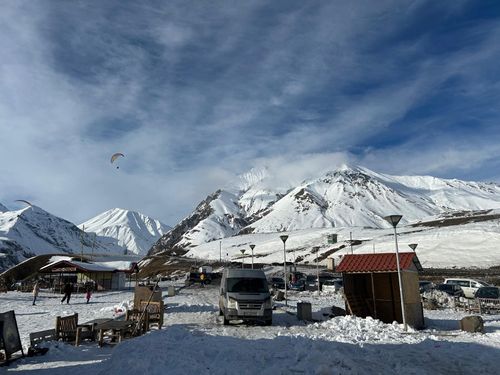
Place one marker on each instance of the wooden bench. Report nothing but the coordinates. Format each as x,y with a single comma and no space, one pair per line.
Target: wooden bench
42,336
115,330
155,311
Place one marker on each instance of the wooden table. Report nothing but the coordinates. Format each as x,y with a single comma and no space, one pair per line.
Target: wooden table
88,330
116,329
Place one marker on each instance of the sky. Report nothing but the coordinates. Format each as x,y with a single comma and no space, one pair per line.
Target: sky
195,93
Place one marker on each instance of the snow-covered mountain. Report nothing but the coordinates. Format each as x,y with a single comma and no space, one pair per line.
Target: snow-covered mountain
3,208
346,197
133,230
32,231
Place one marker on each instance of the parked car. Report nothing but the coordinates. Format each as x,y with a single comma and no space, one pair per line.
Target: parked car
332,285
491,292
277,283
311,283
469,286
244,295
450,289
425,286
299,285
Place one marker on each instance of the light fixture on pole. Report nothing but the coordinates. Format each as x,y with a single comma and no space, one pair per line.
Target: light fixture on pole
284,237
413,246
316,250
252,247
394,220
242,257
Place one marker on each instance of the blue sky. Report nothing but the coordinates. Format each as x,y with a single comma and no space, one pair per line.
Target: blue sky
195,93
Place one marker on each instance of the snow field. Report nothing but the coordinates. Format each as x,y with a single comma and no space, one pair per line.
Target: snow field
194,340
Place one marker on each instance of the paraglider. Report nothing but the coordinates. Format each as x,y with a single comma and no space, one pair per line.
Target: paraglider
116,156
23,201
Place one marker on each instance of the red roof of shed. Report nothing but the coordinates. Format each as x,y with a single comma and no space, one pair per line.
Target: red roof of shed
377,262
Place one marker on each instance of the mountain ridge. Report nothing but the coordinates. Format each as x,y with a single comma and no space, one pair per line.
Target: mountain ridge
348,196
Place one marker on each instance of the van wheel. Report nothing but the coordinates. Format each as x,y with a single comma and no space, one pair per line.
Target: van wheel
226,322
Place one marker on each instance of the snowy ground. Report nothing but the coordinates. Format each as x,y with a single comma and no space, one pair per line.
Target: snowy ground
194,340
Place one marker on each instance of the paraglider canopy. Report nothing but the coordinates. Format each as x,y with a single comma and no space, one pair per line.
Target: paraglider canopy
23,201
116,156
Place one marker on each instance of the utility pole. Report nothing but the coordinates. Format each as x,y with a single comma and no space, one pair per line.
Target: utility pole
252,247
242,258
284,237
93,245
350,240
81,242
316,248
220,251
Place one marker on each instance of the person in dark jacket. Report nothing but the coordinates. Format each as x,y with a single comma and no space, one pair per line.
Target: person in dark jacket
68,289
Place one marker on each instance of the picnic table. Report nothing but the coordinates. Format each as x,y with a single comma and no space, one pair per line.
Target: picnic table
88,330
115,329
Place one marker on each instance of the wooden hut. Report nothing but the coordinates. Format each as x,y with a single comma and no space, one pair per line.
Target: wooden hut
371,287
102,275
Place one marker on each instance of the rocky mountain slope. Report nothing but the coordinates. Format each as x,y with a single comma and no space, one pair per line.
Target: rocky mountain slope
347,197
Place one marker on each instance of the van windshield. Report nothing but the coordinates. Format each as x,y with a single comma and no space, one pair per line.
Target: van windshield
248,285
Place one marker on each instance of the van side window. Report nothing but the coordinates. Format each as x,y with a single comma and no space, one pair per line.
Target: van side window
465,284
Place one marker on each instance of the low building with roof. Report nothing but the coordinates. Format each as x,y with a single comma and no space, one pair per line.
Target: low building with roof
110,275
371,287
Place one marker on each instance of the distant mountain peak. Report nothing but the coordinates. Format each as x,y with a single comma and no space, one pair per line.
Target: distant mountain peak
133,230
33,231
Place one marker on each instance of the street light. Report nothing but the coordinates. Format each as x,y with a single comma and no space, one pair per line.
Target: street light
394,220
284,237
413,246
242,257
252,247
316,250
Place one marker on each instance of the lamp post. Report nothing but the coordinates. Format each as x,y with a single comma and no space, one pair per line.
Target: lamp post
316,250
242,257
252,246
394,220
413,246
284,237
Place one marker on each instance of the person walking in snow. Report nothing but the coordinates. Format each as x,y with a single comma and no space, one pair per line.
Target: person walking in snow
68,288
88,293
36,290
202,280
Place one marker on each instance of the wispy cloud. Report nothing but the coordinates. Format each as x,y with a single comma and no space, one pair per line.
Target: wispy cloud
196,93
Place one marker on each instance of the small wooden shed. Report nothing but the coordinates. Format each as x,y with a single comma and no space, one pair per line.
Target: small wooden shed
371,287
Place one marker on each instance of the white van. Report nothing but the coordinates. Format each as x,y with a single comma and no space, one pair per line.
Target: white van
244,295
469,286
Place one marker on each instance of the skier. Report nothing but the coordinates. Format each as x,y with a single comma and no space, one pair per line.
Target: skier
68,288
88,293
36,289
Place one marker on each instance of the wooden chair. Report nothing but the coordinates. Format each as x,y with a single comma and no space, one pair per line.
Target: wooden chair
155,312
66,327
141,320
